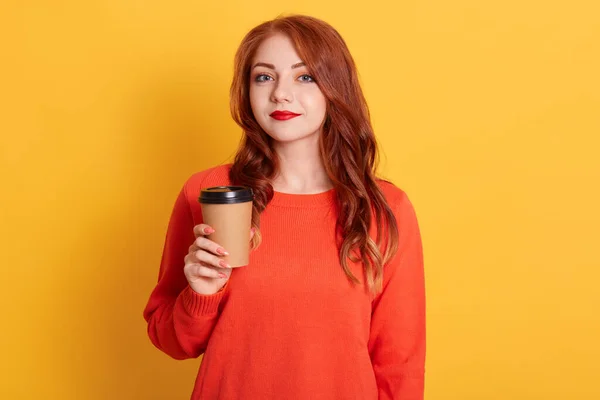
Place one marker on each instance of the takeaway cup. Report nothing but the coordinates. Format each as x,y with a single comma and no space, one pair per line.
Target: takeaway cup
228,210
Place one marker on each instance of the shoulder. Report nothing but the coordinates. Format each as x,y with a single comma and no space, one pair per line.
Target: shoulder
394,195
400,204
214,176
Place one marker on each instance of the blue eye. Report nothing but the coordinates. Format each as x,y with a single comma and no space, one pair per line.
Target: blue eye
306,78
262,78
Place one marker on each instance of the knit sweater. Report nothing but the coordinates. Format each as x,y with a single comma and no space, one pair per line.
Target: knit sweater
291,325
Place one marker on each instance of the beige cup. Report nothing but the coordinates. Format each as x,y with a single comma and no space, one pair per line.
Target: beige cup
228,210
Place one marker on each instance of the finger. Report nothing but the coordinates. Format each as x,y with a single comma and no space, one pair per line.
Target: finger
190,258
199,270
252,233
211,259
208,245
220,271
226,271
202,230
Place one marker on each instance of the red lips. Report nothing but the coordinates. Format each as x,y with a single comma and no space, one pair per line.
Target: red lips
283,115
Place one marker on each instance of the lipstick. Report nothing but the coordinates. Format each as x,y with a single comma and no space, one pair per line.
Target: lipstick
283,115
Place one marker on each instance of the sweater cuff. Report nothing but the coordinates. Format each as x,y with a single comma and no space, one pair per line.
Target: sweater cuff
197,304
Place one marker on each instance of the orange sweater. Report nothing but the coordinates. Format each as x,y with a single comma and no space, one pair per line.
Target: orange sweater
290,325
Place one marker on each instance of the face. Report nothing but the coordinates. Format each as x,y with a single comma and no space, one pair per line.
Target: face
286,101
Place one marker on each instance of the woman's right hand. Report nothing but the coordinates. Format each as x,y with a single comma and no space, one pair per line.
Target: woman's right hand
204,268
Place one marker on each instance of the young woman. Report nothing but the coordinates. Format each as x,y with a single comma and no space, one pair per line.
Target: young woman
332,303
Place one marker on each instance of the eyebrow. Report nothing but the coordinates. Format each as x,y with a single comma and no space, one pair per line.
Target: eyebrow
271,66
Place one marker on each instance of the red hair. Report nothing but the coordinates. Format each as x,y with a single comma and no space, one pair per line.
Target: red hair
348,146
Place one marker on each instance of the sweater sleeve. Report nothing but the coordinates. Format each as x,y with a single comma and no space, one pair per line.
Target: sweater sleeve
397,335
180,321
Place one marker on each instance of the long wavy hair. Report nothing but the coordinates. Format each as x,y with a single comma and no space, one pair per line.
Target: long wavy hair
347,146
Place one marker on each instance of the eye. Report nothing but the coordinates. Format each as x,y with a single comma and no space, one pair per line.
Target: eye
306,78
262,78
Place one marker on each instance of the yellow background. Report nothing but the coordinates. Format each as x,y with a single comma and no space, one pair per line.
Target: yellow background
488,114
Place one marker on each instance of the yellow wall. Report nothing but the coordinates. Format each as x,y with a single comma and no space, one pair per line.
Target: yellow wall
488,112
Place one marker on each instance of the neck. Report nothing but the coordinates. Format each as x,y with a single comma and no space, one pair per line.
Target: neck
301,169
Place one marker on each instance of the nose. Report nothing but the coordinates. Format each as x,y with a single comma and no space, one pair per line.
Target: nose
282,93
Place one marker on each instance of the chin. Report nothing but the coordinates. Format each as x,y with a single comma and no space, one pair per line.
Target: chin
286,136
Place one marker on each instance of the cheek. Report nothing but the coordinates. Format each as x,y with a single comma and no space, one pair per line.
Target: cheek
323,105
317,103
258,105
253,99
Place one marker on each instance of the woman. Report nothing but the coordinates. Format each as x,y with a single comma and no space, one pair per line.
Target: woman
332,304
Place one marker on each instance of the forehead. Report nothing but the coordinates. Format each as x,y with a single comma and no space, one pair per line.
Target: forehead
278,50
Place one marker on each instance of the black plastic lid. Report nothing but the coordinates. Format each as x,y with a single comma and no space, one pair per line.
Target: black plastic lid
226,195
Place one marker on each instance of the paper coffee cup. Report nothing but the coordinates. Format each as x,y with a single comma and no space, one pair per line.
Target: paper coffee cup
228,210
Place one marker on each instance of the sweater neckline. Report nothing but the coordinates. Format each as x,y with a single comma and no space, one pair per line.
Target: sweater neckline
313,200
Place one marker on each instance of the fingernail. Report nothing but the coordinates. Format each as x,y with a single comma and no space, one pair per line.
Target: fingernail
209,230
223,264
222,251
222,275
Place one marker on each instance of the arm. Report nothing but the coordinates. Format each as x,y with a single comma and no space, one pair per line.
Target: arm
180,321
397,336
